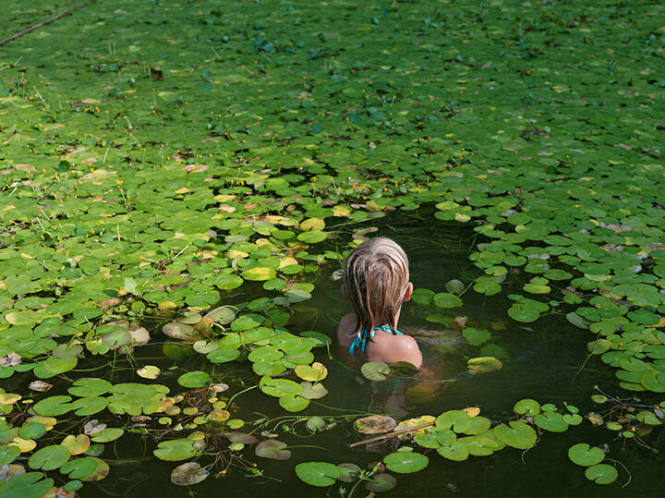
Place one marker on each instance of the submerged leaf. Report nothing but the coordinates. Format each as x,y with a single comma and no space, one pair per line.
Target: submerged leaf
188,474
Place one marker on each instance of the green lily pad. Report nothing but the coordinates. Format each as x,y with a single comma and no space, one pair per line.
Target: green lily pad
601,474
447,300
405,462
375,370
519,435
476,337
279,387
293,403
175,449
107,435
487,285
246,322
320,474
54,406
454,452
582,454
28,485
89,387
49,457
194,379
551,421
527,406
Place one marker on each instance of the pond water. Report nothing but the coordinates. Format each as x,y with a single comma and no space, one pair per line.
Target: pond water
544,360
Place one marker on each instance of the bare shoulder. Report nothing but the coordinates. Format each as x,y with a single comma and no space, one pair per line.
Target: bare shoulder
393,348
345,329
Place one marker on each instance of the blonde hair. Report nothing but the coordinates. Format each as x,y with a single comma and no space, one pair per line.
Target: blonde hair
376,276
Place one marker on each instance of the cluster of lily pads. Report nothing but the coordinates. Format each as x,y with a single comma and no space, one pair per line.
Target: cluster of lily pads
456,435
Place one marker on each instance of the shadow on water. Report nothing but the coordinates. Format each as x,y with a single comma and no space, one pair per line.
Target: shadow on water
542,360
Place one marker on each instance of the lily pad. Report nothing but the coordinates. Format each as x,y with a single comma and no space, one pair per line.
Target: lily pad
601,473
405,462
447,300
175,449
519,435
582,454
319,474
49,457
375,370
195,379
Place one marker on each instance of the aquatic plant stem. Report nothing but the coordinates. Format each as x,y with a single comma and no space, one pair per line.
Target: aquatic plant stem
44,23
241,392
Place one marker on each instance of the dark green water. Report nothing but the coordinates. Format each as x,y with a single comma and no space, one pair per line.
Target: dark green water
542,361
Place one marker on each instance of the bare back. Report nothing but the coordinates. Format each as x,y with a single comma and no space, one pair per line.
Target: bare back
385,346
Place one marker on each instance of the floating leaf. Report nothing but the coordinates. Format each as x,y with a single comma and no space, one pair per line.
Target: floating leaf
312,391
519,435
527,406
89,387
54,406
194,379
314,373
49,457
406,462
601,474
259,274
551,421
28,485
476,337
107,435
582,454
487,285
279,387
175,449
293,403
76,444
447,300
320,474
149,372
375,370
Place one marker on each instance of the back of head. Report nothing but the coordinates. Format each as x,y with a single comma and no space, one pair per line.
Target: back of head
376,276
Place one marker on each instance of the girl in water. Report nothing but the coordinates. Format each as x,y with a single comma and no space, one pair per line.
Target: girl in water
376,283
